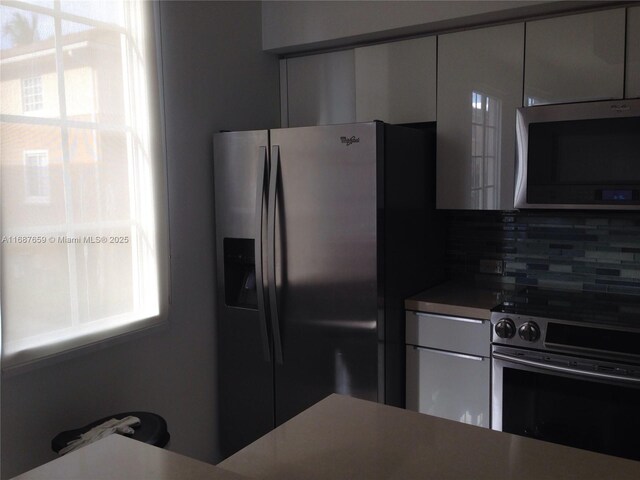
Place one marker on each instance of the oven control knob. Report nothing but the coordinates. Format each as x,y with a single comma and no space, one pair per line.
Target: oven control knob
505,328
529,331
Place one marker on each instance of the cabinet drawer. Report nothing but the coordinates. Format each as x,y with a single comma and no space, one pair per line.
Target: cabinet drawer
447,385
457,334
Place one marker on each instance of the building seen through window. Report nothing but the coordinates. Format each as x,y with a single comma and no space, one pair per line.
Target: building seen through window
31,94
37,184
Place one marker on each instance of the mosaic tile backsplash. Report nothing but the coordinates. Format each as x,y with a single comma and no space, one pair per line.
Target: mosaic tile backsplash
598,252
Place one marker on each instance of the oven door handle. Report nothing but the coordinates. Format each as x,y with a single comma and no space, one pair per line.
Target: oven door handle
557,368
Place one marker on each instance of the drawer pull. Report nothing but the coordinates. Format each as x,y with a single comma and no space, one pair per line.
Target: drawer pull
466,356
446,317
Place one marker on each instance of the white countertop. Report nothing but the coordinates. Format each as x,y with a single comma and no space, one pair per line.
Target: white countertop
119,458
345,438
462,299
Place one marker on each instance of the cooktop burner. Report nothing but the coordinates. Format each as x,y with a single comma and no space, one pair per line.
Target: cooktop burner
590,307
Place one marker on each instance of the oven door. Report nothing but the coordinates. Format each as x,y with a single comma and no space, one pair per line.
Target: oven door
582,403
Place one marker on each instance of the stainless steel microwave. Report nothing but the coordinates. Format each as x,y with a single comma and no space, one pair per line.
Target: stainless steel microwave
579,156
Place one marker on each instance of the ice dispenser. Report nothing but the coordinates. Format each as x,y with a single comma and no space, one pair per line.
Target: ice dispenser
240,273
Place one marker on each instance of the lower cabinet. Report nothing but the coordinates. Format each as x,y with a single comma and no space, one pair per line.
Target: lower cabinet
449,382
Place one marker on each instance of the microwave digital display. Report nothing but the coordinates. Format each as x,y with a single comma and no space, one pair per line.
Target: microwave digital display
617,195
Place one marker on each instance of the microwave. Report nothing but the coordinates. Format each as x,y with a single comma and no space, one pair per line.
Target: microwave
579,156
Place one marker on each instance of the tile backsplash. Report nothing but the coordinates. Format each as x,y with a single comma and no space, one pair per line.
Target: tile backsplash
598,252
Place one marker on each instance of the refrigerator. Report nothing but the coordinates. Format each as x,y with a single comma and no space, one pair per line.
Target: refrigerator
321,232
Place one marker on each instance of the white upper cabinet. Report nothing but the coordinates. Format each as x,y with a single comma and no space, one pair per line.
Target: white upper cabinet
479,89
320,89
575,58
633,53
396,82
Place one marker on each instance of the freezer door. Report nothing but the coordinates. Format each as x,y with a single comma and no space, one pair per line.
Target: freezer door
325,263
245,369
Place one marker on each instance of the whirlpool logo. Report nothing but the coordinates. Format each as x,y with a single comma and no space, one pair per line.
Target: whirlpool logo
350,140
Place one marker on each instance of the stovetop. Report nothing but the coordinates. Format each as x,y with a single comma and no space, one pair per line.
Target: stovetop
589,307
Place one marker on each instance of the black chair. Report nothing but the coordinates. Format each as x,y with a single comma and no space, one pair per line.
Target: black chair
152,430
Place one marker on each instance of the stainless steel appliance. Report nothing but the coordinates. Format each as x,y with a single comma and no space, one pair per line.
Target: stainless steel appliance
321,233
579,156
566,369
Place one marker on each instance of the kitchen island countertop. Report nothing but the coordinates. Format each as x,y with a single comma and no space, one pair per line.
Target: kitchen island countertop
117,457
346,438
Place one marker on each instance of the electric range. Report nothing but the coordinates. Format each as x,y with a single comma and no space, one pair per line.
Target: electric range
566,369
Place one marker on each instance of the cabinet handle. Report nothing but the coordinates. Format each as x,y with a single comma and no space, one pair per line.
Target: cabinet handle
466,356
446,317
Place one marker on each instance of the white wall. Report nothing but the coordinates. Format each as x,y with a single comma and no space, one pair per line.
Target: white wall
295,26
215,77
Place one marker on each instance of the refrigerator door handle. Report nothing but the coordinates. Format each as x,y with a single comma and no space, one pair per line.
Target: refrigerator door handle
271,251
262,173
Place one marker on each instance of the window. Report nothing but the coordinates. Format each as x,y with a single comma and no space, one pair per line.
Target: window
36,176
485,150
82,180
31,94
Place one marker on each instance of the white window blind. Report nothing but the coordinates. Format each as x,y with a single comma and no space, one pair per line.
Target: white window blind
82,181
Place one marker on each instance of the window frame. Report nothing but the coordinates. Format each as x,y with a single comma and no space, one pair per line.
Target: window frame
135,328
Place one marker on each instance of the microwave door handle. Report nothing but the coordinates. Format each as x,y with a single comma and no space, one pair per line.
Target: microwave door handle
559,368
259,214
520,174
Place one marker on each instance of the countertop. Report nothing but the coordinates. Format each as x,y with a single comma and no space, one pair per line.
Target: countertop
345,438
459,299
118,458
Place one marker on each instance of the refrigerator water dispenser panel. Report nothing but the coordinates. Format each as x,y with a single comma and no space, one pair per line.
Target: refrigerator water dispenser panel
240,273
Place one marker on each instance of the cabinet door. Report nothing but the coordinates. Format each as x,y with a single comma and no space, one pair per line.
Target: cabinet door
575,58
448,385
321,89
396,82
479,89
633,53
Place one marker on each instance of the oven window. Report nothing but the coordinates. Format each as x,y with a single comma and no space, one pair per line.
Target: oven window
579,413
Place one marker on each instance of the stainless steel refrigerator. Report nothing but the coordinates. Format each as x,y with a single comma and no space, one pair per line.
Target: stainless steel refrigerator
321,232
